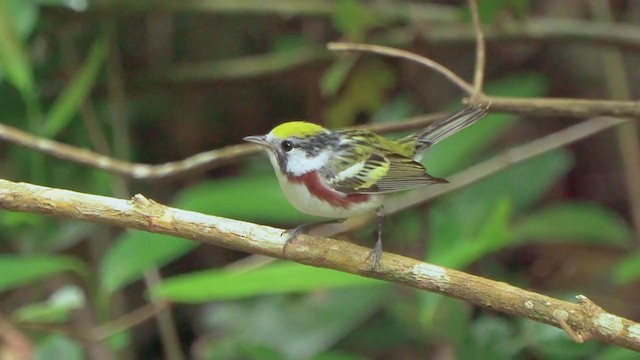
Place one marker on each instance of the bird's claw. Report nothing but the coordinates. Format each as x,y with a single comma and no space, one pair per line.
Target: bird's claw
292,234
375,255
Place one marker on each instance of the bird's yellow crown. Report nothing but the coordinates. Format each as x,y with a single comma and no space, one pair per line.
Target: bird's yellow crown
297,128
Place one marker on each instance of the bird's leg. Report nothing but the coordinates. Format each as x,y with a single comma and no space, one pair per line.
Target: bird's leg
376,253
292,234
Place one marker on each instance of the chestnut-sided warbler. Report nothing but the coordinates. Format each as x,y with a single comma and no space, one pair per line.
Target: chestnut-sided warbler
343,173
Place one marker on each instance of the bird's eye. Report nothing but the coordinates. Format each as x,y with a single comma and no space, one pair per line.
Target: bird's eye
286,146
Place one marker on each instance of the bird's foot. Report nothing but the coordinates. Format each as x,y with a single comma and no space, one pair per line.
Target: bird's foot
375,255
292,234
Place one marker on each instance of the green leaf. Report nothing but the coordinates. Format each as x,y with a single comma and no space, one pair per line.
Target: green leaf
20,270
446,317
493,235
353,19
120,340
279,278
397,109
18,220
260,352
612,352
337,355
24,15
336,74
490,10
628,269
365,92
490,338
67,105
251,198
524,85
526,182
457,152
457,218
575,221
14,59
59,347
137,251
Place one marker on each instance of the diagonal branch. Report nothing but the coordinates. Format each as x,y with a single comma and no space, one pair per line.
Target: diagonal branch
585,319
198,162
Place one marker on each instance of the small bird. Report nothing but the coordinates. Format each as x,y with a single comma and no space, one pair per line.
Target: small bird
338,174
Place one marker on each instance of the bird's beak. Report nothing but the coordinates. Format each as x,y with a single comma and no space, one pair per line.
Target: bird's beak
260,140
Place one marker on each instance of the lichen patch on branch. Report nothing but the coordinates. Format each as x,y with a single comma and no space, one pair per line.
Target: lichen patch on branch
431,273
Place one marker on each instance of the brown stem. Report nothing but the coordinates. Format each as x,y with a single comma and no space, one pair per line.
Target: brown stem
559,106
478,77
392,52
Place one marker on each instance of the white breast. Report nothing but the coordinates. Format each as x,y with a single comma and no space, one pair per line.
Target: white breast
300,197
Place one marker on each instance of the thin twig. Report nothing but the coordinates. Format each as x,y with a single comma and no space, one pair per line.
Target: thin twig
392,52
143,214
164,318
199,162
104,331
478,77
573,335
531,30
128,321
561,107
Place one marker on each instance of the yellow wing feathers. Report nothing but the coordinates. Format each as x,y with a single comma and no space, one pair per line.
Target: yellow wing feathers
379,171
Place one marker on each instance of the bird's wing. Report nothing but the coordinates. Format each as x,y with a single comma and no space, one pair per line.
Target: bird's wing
378,171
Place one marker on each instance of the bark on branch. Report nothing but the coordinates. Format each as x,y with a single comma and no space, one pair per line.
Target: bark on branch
582,321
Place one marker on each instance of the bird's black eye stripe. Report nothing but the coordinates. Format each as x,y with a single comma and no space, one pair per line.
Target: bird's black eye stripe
286,146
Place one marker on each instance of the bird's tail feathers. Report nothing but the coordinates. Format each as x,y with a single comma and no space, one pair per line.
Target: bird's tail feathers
442,129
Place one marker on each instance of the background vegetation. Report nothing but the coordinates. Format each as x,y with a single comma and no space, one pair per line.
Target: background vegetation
154,82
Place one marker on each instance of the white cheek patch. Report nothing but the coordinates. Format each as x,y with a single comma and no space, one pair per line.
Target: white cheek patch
298,161
299,164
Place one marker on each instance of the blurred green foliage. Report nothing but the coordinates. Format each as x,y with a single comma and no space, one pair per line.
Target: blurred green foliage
280,310
278,278
19,270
